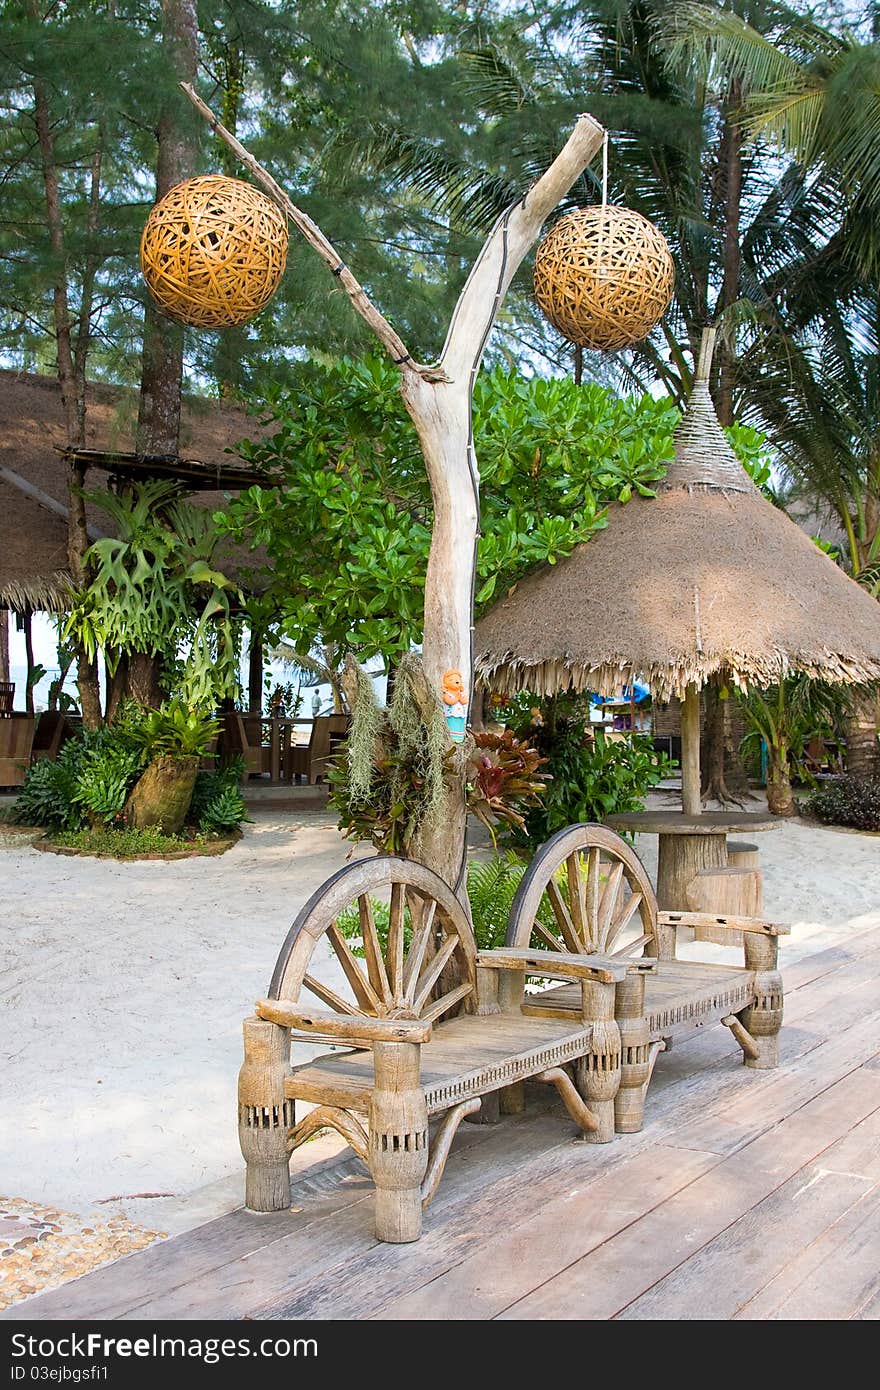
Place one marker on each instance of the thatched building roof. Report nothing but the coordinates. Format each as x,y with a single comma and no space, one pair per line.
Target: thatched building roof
707,577
33,475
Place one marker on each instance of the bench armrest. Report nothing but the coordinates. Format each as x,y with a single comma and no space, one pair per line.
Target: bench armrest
706,919
351,1029
556,965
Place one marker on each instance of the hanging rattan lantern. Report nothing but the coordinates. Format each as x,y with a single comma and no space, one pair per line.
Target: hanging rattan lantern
604,276
213,251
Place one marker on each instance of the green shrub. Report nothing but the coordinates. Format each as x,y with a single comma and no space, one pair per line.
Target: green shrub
105,776
225,811
128,842
853,801
47,797
590,776
217,802
173,730
93,775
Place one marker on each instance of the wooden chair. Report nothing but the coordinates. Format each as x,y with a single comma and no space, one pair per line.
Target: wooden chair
7,698
239,740
425,1036
16,742
52,730
587,890
311,760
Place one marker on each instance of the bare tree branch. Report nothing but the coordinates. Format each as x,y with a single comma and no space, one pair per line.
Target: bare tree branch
393,343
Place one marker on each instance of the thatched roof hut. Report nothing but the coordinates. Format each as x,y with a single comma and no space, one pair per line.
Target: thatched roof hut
33,475
707,577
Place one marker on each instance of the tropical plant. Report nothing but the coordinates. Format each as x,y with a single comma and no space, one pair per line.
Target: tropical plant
387,785
89,781
173,730
154,591
786,717
347,530
503,780
224,811
105,778
853,801
589,775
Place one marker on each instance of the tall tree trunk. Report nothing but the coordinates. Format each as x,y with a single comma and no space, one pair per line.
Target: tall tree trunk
72,389
255,672
730,160
162,365
158,428
780,797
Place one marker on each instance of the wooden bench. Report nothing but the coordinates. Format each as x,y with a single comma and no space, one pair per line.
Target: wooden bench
587,890
407,1059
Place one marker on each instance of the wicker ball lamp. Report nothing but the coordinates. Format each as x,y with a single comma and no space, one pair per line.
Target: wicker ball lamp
213,251
604,276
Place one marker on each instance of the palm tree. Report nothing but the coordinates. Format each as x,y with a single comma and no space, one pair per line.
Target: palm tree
816,95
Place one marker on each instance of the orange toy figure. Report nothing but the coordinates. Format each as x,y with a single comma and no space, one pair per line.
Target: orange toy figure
455,700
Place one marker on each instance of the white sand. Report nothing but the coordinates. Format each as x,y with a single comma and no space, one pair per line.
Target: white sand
124,987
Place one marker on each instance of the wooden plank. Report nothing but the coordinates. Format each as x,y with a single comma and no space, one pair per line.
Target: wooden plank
346,1028
193,1270
611,1278
524,1165
509,1263
554,964
836,1278
720,1280
526,1189
837,1275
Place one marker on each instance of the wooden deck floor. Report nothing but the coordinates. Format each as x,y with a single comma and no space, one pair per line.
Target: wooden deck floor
747,1195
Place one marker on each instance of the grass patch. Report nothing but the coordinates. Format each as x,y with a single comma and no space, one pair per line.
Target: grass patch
132,844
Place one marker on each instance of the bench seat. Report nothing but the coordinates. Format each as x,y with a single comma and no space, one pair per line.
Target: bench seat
466,1057
680,996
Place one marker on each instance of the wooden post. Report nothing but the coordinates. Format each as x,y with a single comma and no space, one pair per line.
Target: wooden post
691,800
4,644
629,1010
398,1141
598,1072
265,1115
438,399
763,1019
27,619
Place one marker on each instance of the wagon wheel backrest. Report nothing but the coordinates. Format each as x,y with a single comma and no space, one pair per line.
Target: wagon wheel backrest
421,967
585,891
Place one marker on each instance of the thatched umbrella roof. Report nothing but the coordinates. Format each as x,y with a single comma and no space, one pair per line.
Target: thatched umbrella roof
707,577
33,476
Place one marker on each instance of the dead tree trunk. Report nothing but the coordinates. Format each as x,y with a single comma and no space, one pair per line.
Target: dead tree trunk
438,399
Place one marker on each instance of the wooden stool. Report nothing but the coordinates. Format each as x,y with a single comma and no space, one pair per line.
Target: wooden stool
742,855
731,892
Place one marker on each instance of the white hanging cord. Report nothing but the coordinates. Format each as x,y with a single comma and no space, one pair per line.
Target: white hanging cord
603,220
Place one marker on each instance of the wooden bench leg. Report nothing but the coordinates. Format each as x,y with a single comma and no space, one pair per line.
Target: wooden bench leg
763,1019
398,1141
598,1073
629,1010
264,1115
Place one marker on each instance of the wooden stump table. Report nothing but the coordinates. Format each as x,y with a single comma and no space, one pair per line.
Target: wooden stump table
688,844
